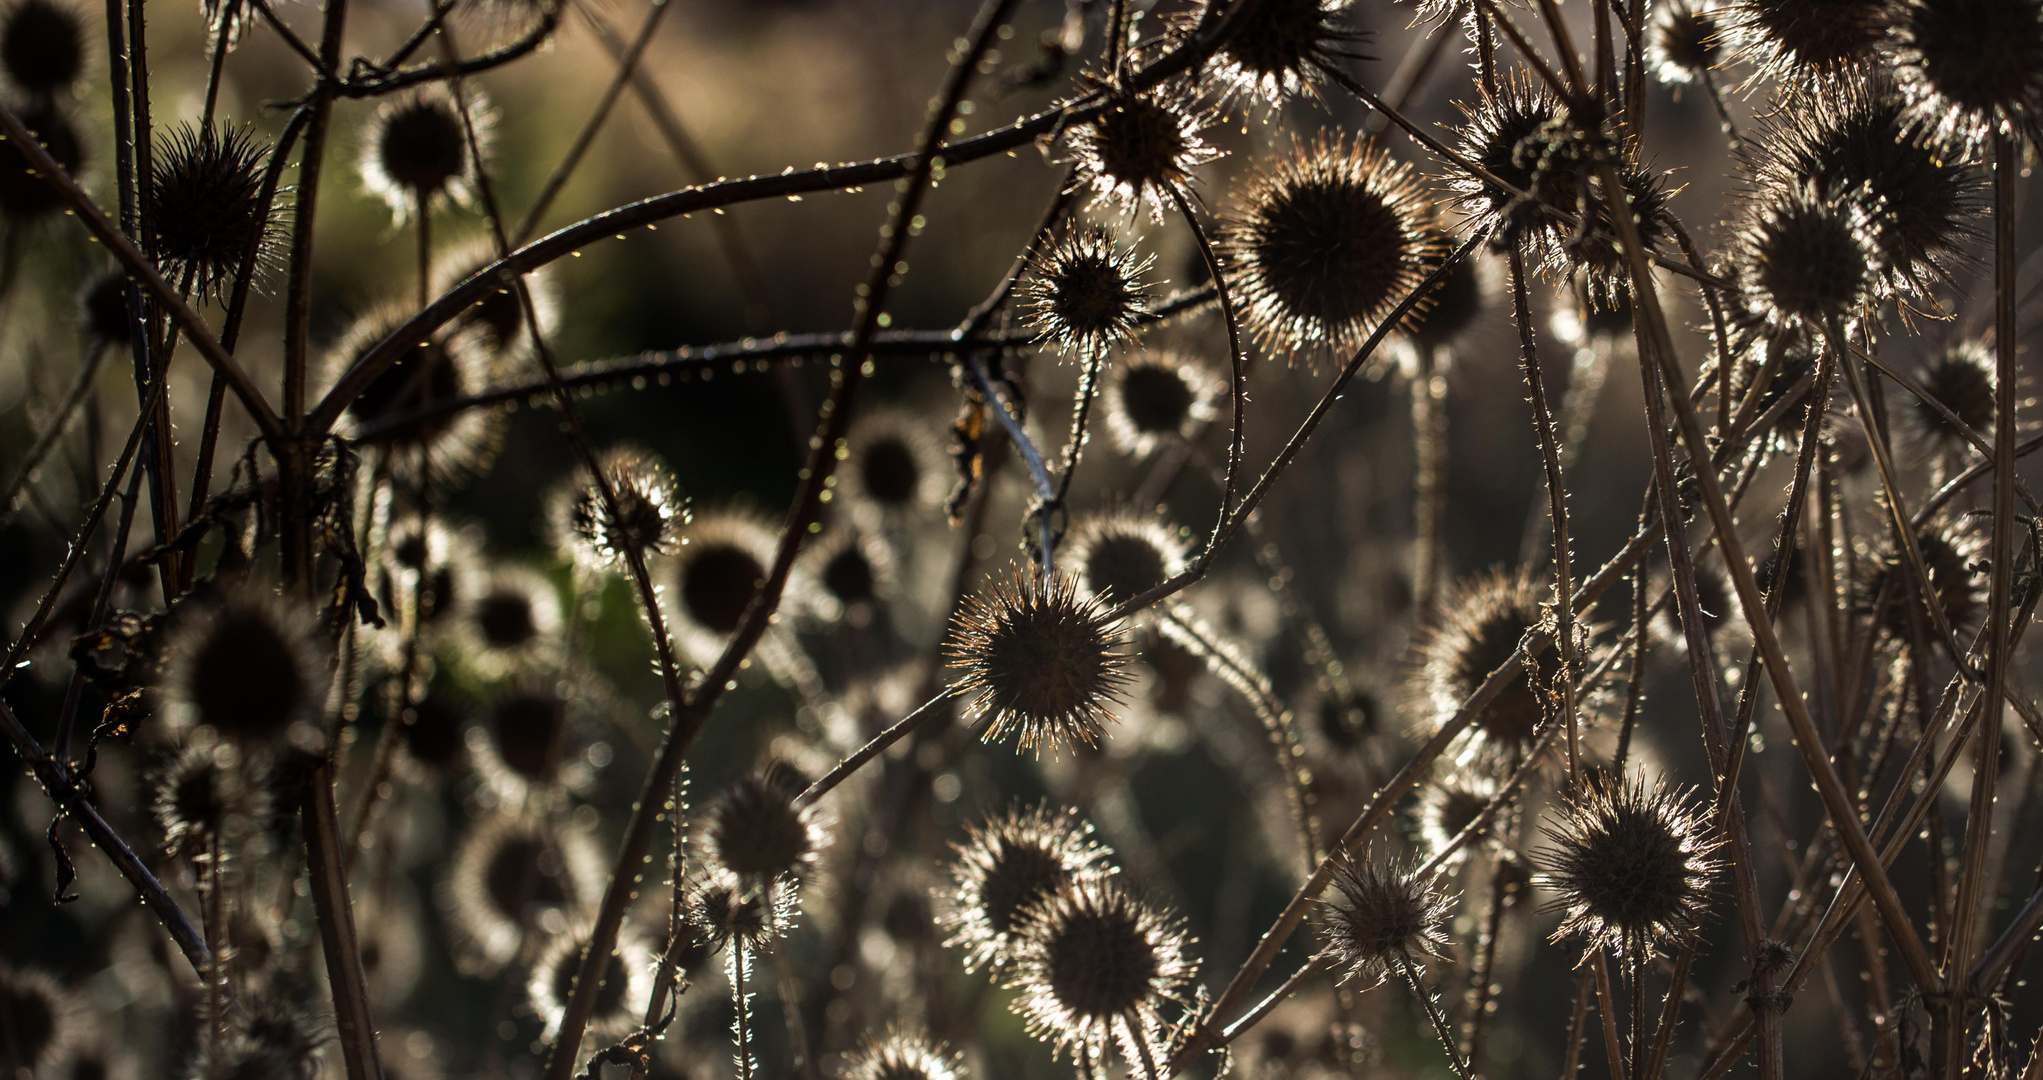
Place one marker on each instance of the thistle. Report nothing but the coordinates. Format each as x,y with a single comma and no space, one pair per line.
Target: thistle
42,46
1139,151
755,832
1121,555
1971,67
1684,43
1094,966
1040,662
1482,624
1085,295
1153,398
434,449
714,574
1795,40
1007,864
1381,918
510,874
1629,866
903,1055
621,999
1961,377
1281,49
208,213
893,466
1804,257
650,511
415,148
245,667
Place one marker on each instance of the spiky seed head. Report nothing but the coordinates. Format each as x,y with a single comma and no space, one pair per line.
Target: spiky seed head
1281,48
273,1041
1085,294
1481,624
1121,554
1807,257
1041,663
1380,915
36,1014
651,510
621,999
513,873
103,309
1324,240
207,210
1970,67
246,667
1156,397
1139,150
856,571
903,1055
415,148
1452,805
719,566
204,798
24,195
755,832
523,737
1007,864
437,450
512,617
1091,961
1951,556
1855,138
723,912
1683,44
1798,40
424,546
1629,866
1961,378
893,464
42,46
499,317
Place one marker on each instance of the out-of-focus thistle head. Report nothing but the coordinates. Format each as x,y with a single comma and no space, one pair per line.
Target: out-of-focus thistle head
1797,40
1156,397
524,738
42,46
1481,625
712,576
423,446
1456,304
512,618
499,316
1007,864
1971,67
38,1015
246,666
1041,663
515,874
26,195
1962,378
1322,241
724,913
1380,917
206,802
755,831
415,148
1121,554
650,510
621,998
1279,49
856,571
1448,807
1085,294
1684,42
1096,966
266,1039
103,309
1629,866
206,205
903,1055
893,465
1141,149
1854,139
1806,257
1951,555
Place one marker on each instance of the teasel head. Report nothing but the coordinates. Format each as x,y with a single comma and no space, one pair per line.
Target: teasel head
724,913
1795,41
621,999
1808,258
1722,617
42,46
1971,67
757,833
902,1054
247,666
1629,866
514,874
1094,965
1457,304
1085,294
1379,917
856,572
1140,149
499,317
1007,864
511,619
651,511
720,564
1451,805
1951,557
1280,49
26,196
268,1039
207,205
207,801
1340,720
1962,378
1684,43
1481,625
1853,138
37,1015
894,466
1041,663
415,148
434,739
1119,555
437,450
524,738
1322,241
423,546
1155,398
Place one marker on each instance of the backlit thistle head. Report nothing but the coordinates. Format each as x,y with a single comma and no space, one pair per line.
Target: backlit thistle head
523,739
423,546
1007,864
1960,377
443,448
1969,67
621,999
1715,596
499,317
1448,807
1854,139
1794,40
1280,48
1091,962
247,667
1323,241
1119,555
1951,557
415,148
1806,257
754,831
1040,662
903,1055
103,309
205,801
24,194
36,1015
42,46
207,209
1157,397
893,465
1481,625
1683,43
433,739
650,510
712,576
1629,866
513,873
271,1040
1085,294
723,912
1341,720
1139,149
1457,303
511,618
855,570
1380,916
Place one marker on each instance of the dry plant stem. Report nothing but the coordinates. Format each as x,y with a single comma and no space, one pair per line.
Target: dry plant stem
1966,431
894,733
1670,1013
1429,452
1573,1062
1482,978
1238,381
63,788
694,708
1606,1013
1319,963
67,718
627,66
1008,414
1410,972
298,290
47,441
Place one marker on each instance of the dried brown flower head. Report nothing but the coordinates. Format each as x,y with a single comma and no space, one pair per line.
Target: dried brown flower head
755,832
42,46
1139,150
1085,294
1381,917
1095,966
1630,866
651,511
1040,662
1008,863
1156,397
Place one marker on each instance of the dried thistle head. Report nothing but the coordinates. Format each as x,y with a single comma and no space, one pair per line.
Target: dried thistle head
755,832
103,309
1008,863
1156,397
723,913
206,801
1085,294
207,207
1951,557
1140,149
1092,964
272,1040
621,999
499,317
246,666
524,738
893,465
1121,554
1456,304
512,874
38,1015
1040,662
1685,41
511,618
650,514
435,450
856,570
1481,625
1379,917
426,548
1971,67
902,1055
721,564
1962,378
433,733
1805,257
1630,866
1797,40
26,196
1280,49
1448,807
1322,241
42,46
415,147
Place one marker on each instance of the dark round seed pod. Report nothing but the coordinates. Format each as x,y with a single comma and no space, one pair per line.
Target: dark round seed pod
1040,662
754,831
1381,917
1630,867
207,208
42,46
